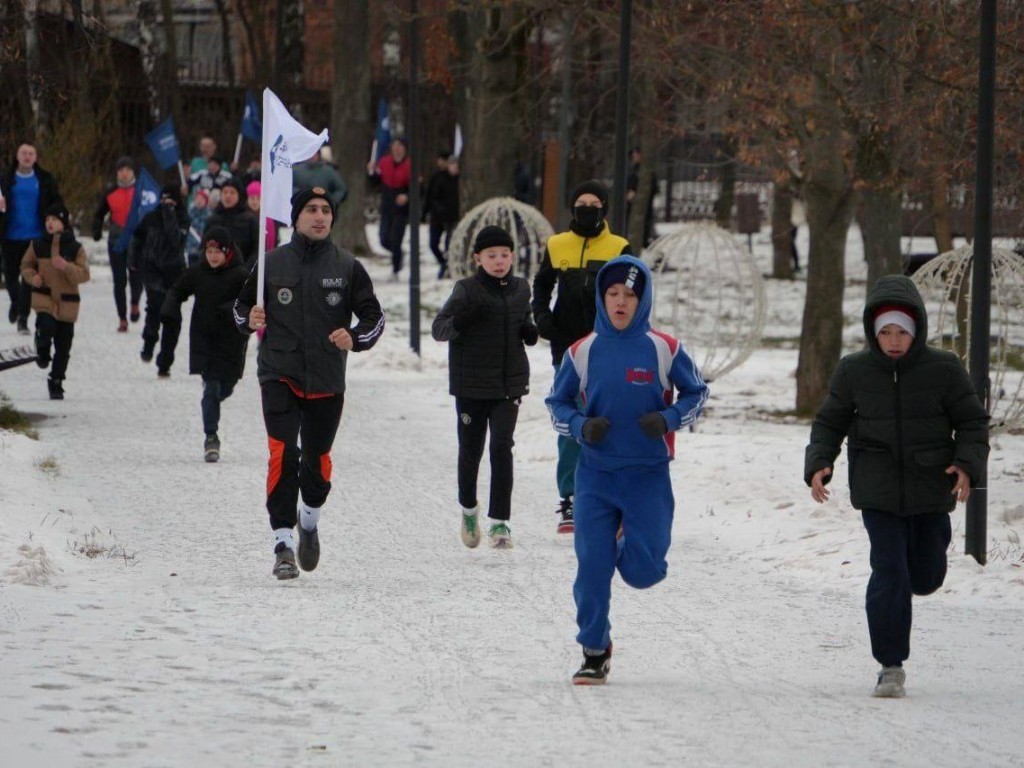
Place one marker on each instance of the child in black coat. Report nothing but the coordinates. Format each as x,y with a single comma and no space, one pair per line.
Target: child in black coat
486,322
216,350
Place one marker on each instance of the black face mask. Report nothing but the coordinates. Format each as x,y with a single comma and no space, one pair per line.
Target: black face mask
588,219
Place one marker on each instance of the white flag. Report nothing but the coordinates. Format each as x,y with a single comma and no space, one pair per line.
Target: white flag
285,141
458,141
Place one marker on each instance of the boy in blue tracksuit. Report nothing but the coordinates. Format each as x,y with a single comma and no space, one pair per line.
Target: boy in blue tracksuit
624,373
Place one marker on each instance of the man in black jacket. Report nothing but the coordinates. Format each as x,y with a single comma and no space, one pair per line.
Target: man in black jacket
26,191
312,289
442,205
917,441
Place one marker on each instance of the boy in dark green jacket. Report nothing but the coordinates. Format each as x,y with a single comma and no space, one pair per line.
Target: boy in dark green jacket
917,441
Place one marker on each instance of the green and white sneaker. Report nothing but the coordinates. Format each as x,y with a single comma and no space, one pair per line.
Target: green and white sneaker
470,527
500,536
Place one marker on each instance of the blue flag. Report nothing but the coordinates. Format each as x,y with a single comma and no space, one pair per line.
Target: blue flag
252,125
164,144
382,136
145,199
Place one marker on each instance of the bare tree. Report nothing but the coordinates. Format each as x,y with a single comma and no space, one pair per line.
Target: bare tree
350,118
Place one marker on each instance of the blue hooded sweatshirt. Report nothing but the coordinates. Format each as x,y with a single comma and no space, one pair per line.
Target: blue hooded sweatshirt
623,375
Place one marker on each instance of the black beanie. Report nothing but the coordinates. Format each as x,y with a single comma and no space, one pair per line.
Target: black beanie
491,236
124,162
594,187
303,196
220,236
625,272
235,182
172,191
58,211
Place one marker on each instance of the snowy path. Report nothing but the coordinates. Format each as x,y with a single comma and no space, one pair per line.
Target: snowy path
404,648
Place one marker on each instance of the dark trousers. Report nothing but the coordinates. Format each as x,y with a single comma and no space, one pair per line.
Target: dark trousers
393,221
437,229
51,331
475,417
908,557
215,392
19,292
156,330
123,278
291,419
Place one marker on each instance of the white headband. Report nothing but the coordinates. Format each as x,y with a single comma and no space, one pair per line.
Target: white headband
896,317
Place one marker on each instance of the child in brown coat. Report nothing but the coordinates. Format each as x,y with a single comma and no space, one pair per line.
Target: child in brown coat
54,266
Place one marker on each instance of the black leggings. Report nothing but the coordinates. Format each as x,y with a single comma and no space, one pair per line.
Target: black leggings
474,418
17,289
51,331
289,419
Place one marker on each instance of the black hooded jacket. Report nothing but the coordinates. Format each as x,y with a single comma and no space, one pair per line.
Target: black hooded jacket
243,227
905,420
215,348
157,248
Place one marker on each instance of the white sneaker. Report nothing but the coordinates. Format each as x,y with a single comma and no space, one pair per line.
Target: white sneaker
890,683
500,535
470,527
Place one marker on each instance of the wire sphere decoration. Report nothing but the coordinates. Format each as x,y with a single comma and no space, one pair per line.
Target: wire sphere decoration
710,293
945,284
529,229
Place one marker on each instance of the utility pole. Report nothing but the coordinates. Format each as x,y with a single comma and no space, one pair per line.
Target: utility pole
412,128
618,212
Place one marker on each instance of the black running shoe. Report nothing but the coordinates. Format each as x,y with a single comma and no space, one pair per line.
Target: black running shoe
56,387
211,448
309,549
284,565
595,669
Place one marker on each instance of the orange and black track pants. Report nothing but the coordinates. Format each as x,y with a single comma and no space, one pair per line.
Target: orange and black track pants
300,434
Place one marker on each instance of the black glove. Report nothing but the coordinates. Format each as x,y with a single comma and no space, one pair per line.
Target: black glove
546,326
653,424
594,429
529,334
470,314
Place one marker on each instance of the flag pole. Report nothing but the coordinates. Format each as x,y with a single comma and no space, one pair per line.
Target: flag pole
261,254
181,173
238,152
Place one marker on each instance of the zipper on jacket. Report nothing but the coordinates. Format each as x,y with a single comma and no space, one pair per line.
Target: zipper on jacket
899,436
304,266
504,357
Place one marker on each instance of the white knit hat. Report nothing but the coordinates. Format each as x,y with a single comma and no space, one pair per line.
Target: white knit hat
895,315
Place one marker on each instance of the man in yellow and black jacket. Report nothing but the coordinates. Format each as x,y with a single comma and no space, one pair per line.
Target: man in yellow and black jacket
571,261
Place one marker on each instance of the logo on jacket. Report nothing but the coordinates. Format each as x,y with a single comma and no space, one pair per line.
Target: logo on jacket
466,418
332,282
285,295
639,376
334,298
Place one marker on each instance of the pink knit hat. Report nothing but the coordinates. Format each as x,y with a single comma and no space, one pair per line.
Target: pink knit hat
254,188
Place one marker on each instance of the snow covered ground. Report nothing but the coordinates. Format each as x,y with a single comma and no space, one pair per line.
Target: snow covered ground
140,625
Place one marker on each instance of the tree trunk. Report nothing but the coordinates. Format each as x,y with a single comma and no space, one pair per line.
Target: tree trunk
225,39
727,194
351,127
942,227
497,61
782,231
880,225
829,198
644,184
33,68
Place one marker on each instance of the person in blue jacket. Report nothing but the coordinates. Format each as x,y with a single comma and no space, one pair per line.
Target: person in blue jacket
625,374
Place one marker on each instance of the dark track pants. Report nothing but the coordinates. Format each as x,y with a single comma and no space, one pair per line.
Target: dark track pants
641,500
291,419
156,330
50,330
475,417
18,290
215,392
908,557
123,278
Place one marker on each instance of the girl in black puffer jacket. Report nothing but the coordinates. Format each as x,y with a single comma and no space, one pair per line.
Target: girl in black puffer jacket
487,320
917,441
